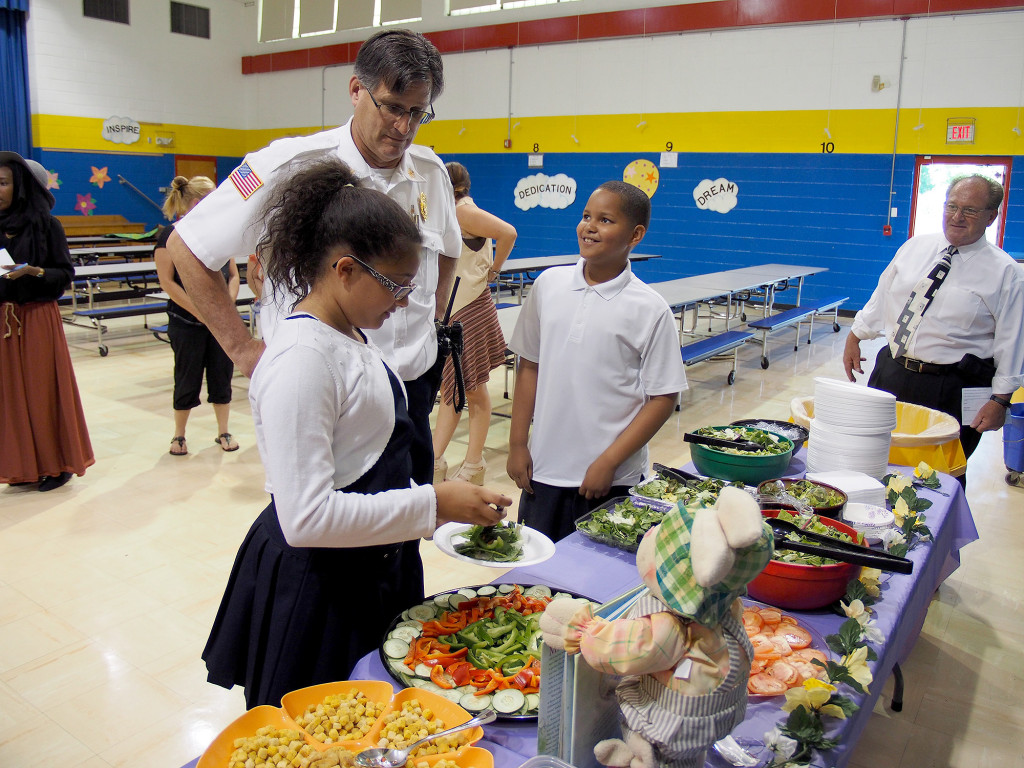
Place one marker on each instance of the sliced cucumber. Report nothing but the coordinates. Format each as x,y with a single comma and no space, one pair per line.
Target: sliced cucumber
442,601
422,613
402,669
405,615
422,670
417,625
532,702
486,591
473,703
506,588
560,595
451,694
468,593
508,701
538,590
396,648
406,634
454,599
426,685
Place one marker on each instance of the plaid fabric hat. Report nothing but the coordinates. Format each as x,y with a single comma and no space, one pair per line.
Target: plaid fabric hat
679,587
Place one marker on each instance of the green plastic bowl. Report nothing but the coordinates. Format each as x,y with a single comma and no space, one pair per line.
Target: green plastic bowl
732,466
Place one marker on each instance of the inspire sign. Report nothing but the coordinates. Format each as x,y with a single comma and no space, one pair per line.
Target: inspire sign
121,130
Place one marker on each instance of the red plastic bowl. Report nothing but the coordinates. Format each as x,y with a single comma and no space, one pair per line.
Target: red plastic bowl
804,587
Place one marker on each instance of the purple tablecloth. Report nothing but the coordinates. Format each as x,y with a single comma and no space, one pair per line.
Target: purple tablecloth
601,573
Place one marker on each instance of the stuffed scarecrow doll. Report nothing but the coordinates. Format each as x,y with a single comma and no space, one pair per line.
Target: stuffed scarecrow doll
682,647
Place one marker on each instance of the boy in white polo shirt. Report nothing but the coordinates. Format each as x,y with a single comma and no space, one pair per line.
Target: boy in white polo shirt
599,370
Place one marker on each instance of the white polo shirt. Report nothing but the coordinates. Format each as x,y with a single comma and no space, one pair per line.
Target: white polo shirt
227,223
602,351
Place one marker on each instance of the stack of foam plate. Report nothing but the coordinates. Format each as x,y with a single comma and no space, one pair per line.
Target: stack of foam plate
851,428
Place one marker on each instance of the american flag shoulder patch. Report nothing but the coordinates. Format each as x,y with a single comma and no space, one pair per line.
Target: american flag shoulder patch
245,180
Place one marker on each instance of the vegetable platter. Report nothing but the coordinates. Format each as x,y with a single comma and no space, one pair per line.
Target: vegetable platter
784,650
478,647
363,712
620,522
498,547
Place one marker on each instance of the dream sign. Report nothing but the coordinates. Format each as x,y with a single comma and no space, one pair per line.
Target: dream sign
718,195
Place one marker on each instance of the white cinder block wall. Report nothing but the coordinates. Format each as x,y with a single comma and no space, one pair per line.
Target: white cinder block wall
87,68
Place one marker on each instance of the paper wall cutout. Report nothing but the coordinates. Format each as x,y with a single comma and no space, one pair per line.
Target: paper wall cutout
99,176
642,174
546,191
718,195
85,204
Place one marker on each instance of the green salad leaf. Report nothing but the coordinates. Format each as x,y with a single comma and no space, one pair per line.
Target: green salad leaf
814,526
817,496
771,444
499,543
622,526
704,492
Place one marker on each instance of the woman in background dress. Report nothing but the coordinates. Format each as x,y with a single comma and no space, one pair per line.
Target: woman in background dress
483,341
43,435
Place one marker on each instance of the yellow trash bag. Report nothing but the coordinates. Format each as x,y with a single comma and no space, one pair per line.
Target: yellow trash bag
921,434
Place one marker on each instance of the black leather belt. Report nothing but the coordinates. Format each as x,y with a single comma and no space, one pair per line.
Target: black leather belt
919,366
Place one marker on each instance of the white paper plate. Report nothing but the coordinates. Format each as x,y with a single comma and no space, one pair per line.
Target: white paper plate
536,546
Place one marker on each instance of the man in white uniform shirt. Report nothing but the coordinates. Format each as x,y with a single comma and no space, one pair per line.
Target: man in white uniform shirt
970,335
396,78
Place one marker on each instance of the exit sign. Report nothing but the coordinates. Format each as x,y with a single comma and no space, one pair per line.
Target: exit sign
960,131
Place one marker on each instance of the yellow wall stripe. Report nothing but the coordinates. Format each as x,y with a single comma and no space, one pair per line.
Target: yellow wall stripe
852,132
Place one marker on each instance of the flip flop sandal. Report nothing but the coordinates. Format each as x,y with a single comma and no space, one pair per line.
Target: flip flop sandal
226,442
178,447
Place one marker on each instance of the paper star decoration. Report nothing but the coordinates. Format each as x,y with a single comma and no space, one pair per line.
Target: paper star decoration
99,177
52,182
85,204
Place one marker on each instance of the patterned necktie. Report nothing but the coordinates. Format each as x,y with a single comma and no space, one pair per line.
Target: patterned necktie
919,301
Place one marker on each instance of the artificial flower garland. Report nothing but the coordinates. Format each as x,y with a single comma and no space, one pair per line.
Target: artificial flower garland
793,743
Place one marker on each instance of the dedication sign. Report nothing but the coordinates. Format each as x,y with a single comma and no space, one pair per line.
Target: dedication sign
546,191
121,130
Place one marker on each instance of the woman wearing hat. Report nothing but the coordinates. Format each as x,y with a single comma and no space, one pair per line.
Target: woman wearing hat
45,438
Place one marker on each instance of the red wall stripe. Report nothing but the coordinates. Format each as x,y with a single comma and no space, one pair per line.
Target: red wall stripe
727,14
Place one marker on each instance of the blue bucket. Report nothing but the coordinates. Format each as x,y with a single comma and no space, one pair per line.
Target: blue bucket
1013,438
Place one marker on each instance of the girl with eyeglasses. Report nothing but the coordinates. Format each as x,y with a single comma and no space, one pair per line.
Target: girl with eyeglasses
332,430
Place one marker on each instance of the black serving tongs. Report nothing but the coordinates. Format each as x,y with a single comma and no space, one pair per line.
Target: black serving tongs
676,474
721,442
836,549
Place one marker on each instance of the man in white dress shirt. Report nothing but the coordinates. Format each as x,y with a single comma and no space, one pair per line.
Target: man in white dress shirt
970,335
397,76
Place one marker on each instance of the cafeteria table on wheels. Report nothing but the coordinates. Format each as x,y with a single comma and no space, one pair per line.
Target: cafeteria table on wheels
602,573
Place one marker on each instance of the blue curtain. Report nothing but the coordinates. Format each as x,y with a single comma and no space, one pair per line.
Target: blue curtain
15,110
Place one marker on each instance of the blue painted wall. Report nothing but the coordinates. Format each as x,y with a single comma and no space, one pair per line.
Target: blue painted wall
809,209
146,172
815,210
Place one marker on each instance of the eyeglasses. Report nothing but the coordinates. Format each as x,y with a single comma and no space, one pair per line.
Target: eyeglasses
398,291
969,213
396,113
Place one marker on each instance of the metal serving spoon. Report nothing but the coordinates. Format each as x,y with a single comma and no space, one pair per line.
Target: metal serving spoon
379,757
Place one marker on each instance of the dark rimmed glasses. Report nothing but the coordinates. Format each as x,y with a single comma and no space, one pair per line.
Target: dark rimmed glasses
969,213
398,291
396,113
